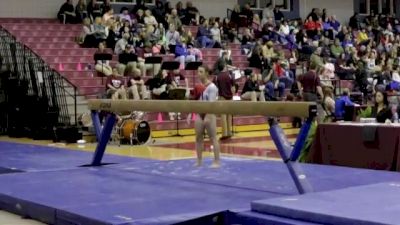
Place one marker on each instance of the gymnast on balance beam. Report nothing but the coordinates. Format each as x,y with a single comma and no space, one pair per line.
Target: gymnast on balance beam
207,122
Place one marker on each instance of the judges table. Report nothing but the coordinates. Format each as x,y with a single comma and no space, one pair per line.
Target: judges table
372,146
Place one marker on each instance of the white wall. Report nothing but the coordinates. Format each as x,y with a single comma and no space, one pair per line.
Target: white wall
210,8
343,9
30,8
49,8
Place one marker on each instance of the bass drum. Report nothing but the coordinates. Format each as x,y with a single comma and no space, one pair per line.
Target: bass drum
85,120
135,132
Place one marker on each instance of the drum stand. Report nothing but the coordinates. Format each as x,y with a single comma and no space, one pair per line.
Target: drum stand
177,127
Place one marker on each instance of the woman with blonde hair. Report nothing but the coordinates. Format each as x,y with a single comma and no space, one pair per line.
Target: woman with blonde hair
328,104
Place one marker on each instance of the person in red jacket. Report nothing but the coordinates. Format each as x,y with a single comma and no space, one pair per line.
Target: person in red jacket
311,27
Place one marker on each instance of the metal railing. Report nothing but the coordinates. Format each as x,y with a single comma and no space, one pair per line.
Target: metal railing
43,81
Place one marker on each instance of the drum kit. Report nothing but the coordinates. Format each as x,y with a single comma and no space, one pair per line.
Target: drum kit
130,129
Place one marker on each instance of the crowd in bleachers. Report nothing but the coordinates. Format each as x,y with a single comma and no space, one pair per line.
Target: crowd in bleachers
365,51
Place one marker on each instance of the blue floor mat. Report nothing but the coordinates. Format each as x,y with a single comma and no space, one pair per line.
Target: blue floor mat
368,205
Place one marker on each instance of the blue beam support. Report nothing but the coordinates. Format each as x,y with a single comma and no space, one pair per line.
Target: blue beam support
96,124
290,154
104,137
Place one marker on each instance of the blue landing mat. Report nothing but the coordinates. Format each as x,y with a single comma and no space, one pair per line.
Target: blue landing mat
253,218
109,196
367,205
260,175
32,158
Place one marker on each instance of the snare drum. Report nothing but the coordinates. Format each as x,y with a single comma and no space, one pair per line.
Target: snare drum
135,132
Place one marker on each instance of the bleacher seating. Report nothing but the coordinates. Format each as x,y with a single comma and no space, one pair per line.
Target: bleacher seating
55,43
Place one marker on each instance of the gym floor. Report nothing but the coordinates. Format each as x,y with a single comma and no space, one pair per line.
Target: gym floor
46,181
256,145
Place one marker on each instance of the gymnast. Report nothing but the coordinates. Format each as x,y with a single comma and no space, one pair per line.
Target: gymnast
207,122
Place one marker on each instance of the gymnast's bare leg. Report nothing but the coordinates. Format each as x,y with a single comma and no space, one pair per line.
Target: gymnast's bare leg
199,128
210,125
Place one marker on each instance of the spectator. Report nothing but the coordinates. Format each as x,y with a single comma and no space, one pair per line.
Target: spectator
336,49
172,38
66,14
310,85
223,60
94,10
228,30
327,74
341,103
191,14
328,105
149,19
140,18
159,13
103,66
108,14
226,88
174,19
140,6
287,76
81,11
216,32
174,80
354,22
136,85
252,90
87,38
278,15
248,14
235,16
381,110
124,16
271,81
268,11
115,86
100,31
106,6
181,11
316,59
182,54
204,36
128,57
158,85
121,44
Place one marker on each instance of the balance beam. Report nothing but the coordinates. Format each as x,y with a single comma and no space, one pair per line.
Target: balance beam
288,153
272,109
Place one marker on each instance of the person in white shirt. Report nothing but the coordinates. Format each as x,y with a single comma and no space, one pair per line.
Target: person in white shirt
284,29
121,44
125,15
207,122
108,15
216,32
172,37
268,11
149,19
